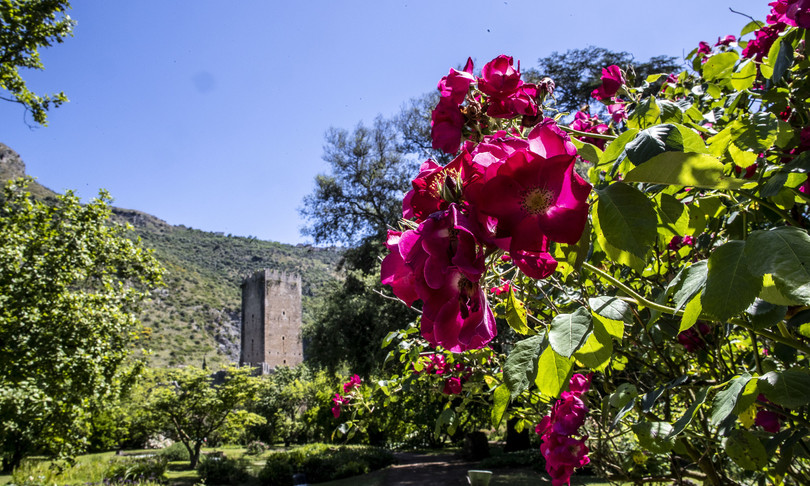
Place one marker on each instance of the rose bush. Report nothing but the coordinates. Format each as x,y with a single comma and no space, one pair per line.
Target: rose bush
658,244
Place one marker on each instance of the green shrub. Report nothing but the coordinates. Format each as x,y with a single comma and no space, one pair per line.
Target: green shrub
528,458
175,452
217,468
137,469
322,462
255,448
277,472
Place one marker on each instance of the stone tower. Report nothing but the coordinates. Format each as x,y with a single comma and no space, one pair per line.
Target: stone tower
271,320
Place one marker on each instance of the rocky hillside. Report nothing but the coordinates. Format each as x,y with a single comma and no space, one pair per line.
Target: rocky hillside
196,315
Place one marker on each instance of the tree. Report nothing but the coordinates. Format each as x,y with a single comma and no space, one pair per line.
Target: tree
25,26
355,203
577,72
71,285
195,404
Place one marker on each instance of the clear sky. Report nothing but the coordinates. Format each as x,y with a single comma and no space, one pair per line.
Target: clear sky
211,113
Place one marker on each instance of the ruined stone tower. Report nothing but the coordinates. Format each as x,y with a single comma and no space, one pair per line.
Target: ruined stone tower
271,320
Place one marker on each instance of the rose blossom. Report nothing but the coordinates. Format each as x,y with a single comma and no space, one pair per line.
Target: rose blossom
445,126
612,81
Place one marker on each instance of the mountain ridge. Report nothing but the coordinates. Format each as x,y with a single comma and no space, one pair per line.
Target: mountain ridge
196,317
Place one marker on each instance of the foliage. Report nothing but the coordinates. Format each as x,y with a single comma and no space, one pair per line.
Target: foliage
293,401
320,462
577,72
137,469
678,283
217,468
196,405
256,447
331,343
175,452
25,27
71,285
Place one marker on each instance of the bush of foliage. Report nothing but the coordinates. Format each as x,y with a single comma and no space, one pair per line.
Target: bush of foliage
256,447
175,452
137,469
322,462
217,468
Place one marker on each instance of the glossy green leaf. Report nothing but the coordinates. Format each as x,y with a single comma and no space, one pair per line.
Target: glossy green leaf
627,219
688,283
611,315
784,253
730,285
616,148
757,133
691,314
623,395
553,373
520,368
569,331
684,169
783,59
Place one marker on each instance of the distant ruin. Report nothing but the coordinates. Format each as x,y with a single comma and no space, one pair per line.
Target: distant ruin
271,321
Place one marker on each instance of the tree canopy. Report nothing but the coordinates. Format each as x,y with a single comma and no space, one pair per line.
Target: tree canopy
71,285
25,27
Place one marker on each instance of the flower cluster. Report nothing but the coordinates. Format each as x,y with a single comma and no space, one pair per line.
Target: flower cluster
784,14
349,389
436,364
506,193
498,92
563,451
583,122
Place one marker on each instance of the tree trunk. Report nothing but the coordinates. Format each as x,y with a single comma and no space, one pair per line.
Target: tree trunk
195,455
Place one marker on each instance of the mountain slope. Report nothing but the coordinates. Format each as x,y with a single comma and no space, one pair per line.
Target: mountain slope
196,315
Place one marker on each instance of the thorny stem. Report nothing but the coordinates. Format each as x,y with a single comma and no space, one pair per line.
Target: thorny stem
587,134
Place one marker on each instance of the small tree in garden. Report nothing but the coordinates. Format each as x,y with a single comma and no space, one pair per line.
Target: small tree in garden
194,406
642,280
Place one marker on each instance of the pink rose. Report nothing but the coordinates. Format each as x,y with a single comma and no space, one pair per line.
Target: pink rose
499,78
445,126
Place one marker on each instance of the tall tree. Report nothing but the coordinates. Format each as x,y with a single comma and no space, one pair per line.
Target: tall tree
356,202
26,26
71,285
577,72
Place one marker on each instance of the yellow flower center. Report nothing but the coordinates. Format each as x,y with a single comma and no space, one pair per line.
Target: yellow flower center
537,200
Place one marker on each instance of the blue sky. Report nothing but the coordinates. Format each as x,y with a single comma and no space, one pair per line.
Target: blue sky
211,114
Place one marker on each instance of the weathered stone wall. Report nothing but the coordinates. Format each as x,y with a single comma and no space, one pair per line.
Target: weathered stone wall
271,320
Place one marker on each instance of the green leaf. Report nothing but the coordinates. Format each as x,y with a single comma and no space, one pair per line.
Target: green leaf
520,368
687,417
516,314
691,313
783,59
756,133
623,395
553,373
750,27
615,151
726,400
745,449
500,398
646,113
784,253
688,283
720,65
789,388
670,112
595,353
654,436
684,169
653,141
730,285
587,151
673,217
627,219
568,331
611,314
745,77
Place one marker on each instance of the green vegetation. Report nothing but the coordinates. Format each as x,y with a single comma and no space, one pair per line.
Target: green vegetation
197,315
71,286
